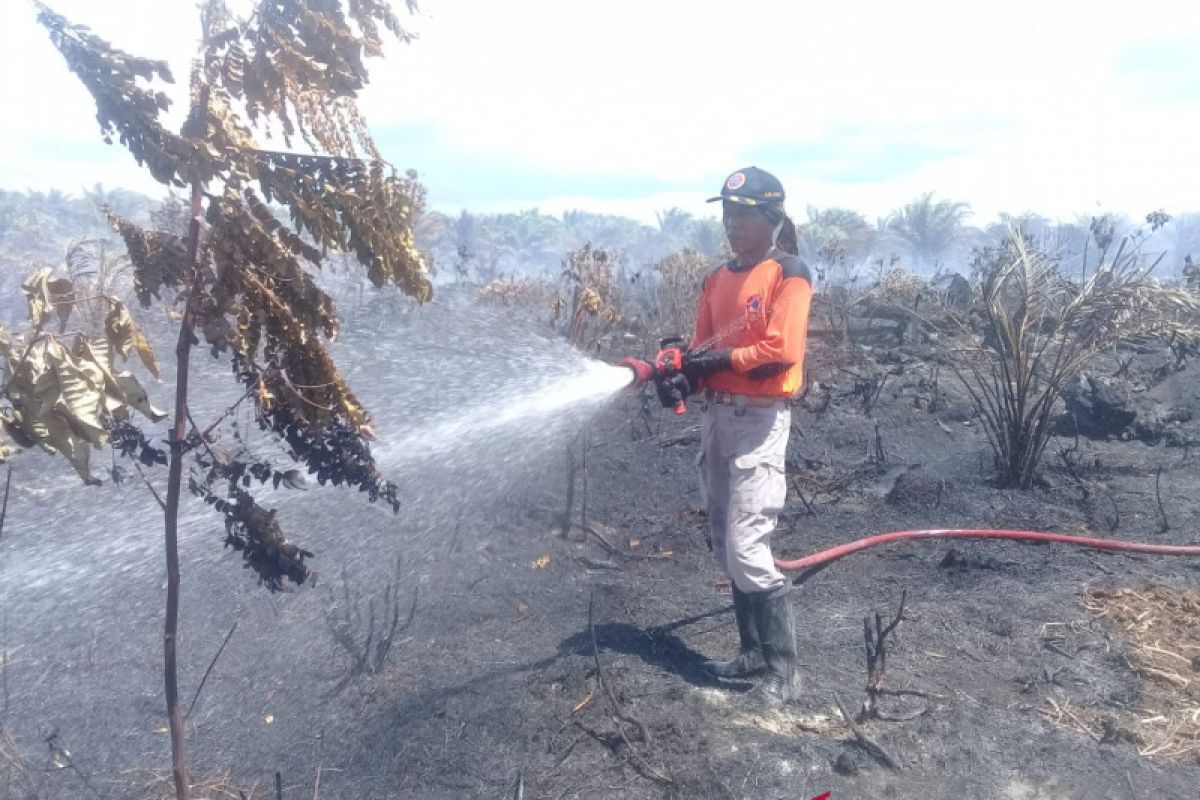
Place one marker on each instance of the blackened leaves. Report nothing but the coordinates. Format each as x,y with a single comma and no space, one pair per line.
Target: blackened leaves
255,533
159,259
249,528
127,110
129,441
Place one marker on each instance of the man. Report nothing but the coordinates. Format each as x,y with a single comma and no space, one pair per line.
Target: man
747,357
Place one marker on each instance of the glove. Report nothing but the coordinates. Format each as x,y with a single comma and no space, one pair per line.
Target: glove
673,390
699,364
642,371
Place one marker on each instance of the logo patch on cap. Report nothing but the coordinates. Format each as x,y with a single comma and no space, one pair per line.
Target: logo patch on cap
736,181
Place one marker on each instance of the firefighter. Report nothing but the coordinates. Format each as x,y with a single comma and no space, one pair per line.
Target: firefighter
746,361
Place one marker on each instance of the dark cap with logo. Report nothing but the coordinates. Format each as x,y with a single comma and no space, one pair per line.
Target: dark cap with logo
751,186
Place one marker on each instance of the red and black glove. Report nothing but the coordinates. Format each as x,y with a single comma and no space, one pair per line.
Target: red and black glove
673,391
700,364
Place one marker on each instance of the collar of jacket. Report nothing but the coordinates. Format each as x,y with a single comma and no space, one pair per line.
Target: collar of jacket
774,254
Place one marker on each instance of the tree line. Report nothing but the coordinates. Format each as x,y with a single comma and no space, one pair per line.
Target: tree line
926,236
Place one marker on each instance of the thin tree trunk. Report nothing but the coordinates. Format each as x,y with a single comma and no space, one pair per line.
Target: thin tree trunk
4,508
183,350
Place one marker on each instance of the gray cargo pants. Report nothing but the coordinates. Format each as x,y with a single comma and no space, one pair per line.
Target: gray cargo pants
743,486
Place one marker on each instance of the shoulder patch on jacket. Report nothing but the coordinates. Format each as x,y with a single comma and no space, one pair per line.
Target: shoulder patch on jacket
793,267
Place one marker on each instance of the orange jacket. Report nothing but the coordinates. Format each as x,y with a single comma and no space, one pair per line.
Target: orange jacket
762,314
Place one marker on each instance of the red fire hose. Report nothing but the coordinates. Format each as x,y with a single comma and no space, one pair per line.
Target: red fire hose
817,561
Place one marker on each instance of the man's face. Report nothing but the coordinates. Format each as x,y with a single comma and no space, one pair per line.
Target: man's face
747,228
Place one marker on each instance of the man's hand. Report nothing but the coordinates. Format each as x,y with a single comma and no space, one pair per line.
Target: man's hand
673,390
699,364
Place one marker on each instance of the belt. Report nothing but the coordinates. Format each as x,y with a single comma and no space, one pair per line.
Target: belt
724,398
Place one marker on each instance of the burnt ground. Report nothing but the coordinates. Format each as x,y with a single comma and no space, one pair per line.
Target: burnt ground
486,694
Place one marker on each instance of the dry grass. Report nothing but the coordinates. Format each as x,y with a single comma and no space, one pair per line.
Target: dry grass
681,276
898,286
157,784
17,778
1161,627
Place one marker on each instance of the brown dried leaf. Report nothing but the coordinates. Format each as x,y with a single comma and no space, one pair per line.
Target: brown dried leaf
80,393
37,296
146,353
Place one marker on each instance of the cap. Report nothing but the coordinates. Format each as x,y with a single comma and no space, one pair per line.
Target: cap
751,186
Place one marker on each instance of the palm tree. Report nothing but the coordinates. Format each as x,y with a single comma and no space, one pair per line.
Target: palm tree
927,228
584,227
835,233
1181,238
534,239
707,237
675,224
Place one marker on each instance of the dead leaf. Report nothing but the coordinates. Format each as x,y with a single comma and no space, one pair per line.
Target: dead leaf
124,335
146,353
540,562
137,398
37,296
584,703
294,479
56,436
522,609
269,718
634,543
60,757
80,392
266,398
119,329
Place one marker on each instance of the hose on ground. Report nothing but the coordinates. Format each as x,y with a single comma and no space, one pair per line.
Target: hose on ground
817,561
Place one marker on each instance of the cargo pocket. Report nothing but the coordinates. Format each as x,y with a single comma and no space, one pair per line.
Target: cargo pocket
762,482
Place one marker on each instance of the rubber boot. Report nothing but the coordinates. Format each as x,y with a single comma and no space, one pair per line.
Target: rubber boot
777,630
750,658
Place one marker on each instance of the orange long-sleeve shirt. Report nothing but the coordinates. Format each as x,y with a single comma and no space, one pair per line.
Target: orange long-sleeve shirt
762,314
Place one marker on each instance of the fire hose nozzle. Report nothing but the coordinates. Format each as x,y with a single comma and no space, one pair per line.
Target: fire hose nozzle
643,371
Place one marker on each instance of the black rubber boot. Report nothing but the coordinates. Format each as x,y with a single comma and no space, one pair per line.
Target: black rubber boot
777,630
750,658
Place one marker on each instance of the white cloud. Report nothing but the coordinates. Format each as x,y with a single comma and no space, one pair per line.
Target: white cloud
1007,104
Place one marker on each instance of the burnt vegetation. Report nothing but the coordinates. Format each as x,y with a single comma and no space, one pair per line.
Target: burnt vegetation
1073,340
239,279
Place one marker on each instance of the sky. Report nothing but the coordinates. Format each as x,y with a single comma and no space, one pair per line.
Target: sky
633,106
